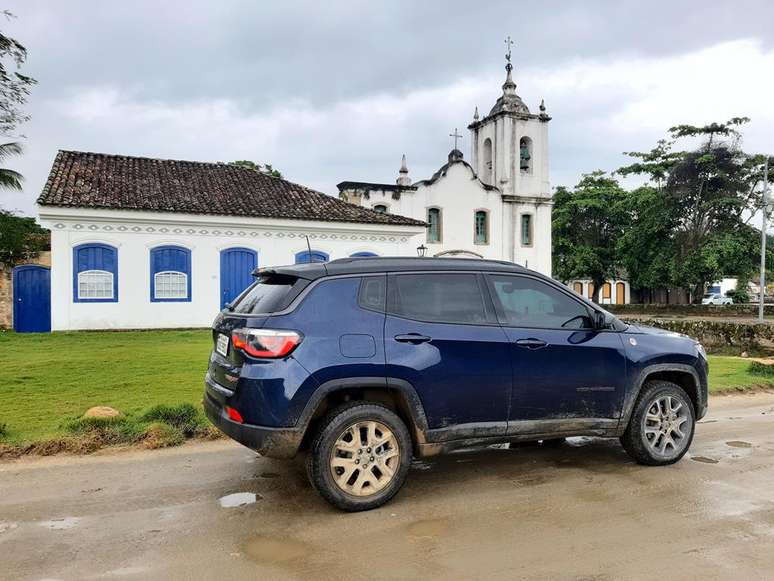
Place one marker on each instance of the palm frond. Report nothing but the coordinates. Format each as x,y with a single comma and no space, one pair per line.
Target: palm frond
10,179
9,149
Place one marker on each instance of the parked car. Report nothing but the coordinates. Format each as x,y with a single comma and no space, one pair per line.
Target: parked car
364,363
716,299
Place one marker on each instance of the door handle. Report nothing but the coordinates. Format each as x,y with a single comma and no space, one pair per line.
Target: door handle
531,343
414,338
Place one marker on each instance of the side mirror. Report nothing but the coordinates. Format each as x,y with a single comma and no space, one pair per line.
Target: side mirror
600,322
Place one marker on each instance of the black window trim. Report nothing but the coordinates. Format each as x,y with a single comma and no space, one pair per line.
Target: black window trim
489,308
502,319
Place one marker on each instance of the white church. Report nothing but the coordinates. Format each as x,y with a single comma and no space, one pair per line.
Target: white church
152,243
498,206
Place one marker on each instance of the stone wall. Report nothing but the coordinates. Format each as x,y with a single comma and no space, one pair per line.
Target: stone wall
664,310
6,288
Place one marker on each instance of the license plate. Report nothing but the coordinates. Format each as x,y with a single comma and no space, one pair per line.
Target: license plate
221,345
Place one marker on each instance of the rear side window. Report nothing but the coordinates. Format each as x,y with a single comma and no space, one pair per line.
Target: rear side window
438,298
269,294
373,290
525,302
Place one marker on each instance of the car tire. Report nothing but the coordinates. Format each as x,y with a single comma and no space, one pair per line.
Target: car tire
652,436
334,451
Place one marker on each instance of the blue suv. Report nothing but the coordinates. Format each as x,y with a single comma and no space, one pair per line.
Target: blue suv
364,363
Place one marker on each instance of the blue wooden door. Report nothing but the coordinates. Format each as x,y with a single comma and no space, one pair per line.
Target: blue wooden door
31,299
236,267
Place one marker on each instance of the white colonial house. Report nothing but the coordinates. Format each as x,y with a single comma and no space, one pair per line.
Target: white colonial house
152,243
498,206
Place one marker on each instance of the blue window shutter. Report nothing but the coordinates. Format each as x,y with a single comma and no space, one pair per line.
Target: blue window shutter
95,257
170,258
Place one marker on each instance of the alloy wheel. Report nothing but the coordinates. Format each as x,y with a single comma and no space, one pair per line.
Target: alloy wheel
364,458
663,430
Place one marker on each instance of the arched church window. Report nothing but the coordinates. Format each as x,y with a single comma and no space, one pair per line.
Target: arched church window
381,208
525,154
481,224
434,225
488,169
526,229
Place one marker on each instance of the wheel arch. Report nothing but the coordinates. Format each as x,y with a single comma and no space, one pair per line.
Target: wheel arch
397,394
681,374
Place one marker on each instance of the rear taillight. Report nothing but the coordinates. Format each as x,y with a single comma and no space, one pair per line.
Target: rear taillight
265,343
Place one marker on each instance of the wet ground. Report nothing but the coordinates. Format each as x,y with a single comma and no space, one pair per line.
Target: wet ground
580,512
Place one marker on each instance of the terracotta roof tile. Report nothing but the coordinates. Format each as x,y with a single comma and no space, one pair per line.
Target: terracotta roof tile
97,180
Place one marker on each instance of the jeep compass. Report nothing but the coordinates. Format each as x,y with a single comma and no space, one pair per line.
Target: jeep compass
365,363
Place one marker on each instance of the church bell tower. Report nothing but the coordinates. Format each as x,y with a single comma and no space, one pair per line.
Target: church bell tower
510,152
510,144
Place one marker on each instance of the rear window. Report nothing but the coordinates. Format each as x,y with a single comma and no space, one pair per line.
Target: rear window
269,294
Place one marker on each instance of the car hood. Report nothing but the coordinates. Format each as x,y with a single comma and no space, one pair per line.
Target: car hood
644,330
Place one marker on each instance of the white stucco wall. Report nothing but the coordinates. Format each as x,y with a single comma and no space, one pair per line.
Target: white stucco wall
135,233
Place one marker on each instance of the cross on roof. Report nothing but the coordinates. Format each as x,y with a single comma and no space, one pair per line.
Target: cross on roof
508,45
456,136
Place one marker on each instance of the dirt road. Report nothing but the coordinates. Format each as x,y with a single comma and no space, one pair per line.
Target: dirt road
583,511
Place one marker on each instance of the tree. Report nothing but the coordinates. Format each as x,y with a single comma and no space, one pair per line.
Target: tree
266,169
14,86
20,238
587,222
696,216
10,179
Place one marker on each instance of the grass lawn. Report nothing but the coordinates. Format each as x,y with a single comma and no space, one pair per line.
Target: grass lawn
732,373
48,380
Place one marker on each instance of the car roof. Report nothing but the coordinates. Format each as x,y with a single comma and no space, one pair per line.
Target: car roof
375,264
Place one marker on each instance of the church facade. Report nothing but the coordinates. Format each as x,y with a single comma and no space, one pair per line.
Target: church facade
497,206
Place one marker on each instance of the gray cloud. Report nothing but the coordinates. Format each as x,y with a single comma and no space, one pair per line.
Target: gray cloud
338,90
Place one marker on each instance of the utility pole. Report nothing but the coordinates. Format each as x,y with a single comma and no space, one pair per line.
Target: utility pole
763,238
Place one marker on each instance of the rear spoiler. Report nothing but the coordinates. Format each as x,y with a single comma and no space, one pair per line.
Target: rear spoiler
307,271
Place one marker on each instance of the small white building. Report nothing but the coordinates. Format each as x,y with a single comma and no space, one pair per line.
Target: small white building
613,291
498,206
151,243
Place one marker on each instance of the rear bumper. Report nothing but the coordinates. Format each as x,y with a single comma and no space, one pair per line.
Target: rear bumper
267,441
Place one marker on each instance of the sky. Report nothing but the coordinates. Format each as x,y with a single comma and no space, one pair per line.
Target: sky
339,90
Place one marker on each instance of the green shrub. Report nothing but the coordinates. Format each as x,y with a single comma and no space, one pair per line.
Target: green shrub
185,417
758,368
3,430
162,435
115,430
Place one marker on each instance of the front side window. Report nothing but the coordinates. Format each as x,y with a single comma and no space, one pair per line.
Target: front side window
95,273
438,298
482,227
380,208
527,302
170,274
526,229
434,225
